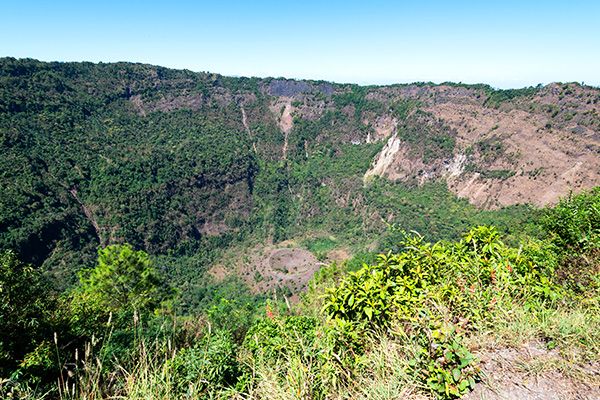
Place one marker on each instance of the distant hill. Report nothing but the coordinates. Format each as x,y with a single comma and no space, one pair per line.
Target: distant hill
186,164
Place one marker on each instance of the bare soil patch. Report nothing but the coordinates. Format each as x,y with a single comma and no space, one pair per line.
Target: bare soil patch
534,373
272,267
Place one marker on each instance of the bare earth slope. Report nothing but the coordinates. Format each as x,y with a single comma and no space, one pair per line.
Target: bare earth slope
531,372
529,150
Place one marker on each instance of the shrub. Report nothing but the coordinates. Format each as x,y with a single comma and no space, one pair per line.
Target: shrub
205,368
468,277
444,365
26,307
575,221
270,338
574,227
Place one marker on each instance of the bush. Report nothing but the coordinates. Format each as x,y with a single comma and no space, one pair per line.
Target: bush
418,291
444,365
574,226
205,368
575,222
26,307
270,338
468,277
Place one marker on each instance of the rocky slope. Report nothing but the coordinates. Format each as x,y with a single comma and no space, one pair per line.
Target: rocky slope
531,149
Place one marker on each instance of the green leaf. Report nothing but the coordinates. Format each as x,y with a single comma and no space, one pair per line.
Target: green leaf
472,383
456,374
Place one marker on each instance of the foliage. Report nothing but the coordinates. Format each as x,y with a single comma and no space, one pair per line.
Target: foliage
575,221
427,136
124,279
26,306
574,224
230,306
357,98
128,153
271,337
469,277
186,165
402,108
320,246
295,340
497,96
470,280
444,364
206,367
425,300
490,149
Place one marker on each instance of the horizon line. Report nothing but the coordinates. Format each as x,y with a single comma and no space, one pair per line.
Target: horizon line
357,83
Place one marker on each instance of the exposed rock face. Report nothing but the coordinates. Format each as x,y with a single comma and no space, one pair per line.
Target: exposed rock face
289,87
530,148
386,158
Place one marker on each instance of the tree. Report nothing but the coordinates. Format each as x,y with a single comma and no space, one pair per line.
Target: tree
124,279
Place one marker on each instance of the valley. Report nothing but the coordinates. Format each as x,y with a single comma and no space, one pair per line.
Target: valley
280,238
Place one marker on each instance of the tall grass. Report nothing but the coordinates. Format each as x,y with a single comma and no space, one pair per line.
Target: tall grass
381,373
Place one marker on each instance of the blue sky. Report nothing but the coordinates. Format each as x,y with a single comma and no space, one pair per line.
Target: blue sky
505,43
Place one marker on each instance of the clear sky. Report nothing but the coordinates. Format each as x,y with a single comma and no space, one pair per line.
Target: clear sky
504,43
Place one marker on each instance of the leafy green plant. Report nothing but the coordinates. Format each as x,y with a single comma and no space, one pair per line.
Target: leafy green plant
273,336
468,277
574,226
444,364
575,221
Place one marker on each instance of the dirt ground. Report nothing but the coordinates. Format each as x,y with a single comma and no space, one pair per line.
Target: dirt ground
273,267
534,373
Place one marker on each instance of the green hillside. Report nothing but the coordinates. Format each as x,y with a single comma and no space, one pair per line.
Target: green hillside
412,323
